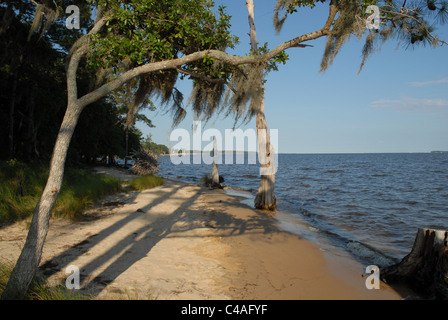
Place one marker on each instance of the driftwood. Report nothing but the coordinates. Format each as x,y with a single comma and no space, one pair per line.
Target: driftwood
145,162
425,268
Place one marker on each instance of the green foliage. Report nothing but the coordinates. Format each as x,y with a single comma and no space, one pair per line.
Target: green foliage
146,182
146,31
100,133
159,148
80,190
272,65
154,147
21,186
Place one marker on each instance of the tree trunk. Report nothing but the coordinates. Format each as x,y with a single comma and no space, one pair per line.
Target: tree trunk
12,104
425,268
127,148
215,172
265,198
30,257
31,145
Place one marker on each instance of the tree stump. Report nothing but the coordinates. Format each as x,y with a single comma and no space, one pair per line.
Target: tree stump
425,268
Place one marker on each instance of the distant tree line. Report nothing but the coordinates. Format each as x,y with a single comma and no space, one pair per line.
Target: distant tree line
148,144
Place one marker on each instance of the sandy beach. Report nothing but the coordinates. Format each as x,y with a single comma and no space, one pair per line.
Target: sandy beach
185,241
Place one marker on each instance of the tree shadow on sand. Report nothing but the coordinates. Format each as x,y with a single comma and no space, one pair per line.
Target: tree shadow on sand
188,215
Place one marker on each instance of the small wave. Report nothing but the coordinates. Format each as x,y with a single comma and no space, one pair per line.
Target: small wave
305,185
250,176
369,254
379,175
306,212
233,188
334,171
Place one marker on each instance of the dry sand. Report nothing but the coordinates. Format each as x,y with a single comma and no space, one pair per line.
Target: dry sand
184,241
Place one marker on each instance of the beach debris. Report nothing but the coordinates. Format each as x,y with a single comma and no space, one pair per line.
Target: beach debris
145,162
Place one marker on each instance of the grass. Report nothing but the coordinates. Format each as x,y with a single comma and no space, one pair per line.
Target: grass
40,290
145,182
21,186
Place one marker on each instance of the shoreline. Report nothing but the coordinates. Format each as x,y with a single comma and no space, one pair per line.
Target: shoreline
294,223
183,241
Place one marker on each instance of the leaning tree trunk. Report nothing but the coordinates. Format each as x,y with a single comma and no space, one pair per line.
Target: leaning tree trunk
265,198
425,268
30,257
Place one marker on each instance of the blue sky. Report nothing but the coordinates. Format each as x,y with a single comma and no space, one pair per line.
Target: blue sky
399,102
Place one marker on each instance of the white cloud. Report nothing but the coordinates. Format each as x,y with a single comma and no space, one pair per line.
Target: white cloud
428,83
411,104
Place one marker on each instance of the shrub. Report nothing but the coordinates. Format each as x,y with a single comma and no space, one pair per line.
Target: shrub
146,182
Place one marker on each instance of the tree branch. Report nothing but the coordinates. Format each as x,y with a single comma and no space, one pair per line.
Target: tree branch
401,14
205,78
215,54
325,31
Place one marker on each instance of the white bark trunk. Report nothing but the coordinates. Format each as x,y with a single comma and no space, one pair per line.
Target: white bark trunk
215,172
265,198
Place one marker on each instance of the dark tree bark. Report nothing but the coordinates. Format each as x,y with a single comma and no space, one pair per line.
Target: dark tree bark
126,148
31,147
12,105
425,268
